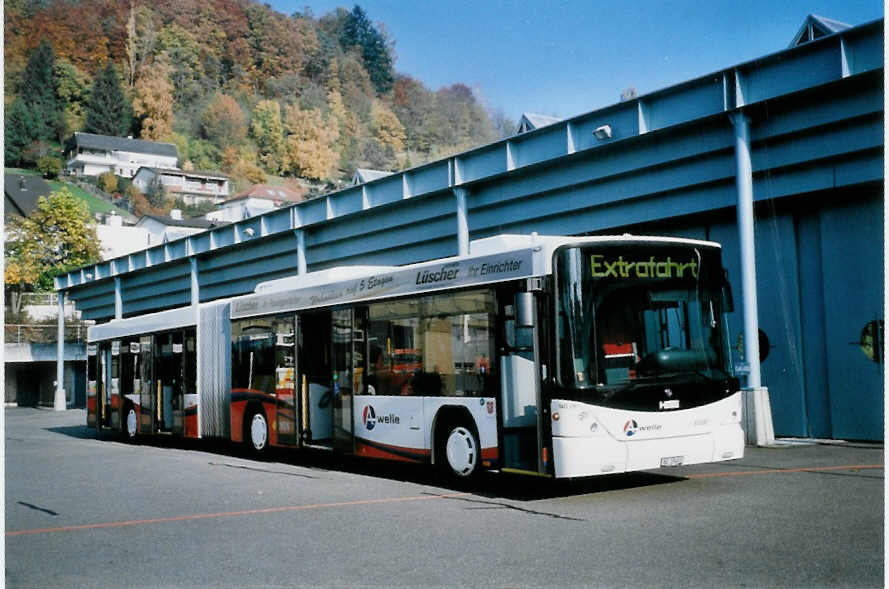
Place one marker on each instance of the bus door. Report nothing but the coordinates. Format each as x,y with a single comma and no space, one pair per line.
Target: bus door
520,387
145,387
103,385
285,380
92,374
314,377
168,387
343,386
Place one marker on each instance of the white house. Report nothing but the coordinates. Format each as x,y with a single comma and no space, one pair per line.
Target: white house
192,186
117,239
256,200
92,155
163,228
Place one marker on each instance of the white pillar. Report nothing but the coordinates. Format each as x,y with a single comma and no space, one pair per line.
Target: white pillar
462,222
195,286
60,402
118,299
757,409
300,251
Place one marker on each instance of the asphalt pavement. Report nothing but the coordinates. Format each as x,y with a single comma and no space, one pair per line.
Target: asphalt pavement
82,512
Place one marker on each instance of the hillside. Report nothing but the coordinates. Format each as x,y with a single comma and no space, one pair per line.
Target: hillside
235,85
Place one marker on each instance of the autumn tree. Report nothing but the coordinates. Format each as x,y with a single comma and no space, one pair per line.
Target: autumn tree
153,102
240,163
108,111
268,131
223,122
386,127
59,236
309,144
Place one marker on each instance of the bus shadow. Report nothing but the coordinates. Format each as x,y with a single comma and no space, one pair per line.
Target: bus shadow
491,485
75,431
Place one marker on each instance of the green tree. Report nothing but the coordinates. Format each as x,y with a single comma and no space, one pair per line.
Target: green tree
49,166
156,193
358,31
268,131
203,155
38,92
108,111
72,89
59,236
17,132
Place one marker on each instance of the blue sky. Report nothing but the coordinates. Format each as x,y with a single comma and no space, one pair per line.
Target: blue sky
568,57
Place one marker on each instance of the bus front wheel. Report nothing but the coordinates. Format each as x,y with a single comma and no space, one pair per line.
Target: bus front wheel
458,453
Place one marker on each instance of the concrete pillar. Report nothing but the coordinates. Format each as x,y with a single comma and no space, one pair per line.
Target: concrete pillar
59,401
757,409
462,222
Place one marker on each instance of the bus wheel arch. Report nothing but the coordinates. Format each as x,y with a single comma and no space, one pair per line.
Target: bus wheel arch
256,428
456,449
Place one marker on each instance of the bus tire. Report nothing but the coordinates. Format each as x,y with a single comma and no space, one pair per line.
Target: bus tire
256,431
129,426
458,452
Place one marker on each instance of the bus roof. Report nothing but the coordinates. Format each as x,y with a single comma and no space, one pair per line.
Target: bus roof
490,260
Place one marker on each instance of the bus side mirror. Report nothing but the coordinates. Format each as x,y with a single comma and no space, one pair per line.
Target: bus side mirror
728,303
524,309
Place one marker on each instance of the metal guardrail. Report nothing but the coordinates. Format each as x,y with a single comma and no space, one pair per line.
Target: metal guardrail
30,333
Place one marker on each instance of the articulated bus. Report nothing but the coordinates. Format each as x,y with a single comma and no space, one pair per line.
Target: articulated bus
545,355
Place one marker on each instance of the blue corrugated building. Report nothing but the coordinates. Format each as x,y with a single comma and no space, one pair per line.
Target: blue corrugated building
662,163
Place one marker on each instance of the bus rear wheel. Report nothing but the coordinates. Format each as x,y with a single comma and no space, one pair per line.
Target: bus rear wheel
256,432
458,453
130,424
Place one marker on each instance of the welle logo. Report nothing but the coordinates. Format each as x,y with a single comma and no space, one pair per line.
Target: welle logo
370,419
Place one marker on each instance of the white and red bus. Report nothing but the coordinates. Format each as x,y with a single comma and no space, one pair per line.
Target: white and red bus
553,356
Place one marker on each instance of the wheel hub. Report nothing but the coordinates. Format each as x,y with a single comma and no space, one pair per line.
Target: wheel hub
461,451
258,431
131,423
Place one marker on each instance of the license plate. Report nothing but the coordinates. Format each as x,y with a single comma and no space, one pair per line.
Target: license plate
671,461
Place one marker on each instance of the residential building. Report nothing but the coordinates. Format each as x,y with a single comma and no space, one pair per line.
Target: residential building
118,239
165,228
256,200
93,155
20,193
192,186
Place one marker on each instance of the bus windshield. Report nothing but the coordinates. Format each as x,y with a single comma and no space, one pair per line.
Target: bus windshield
635,314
